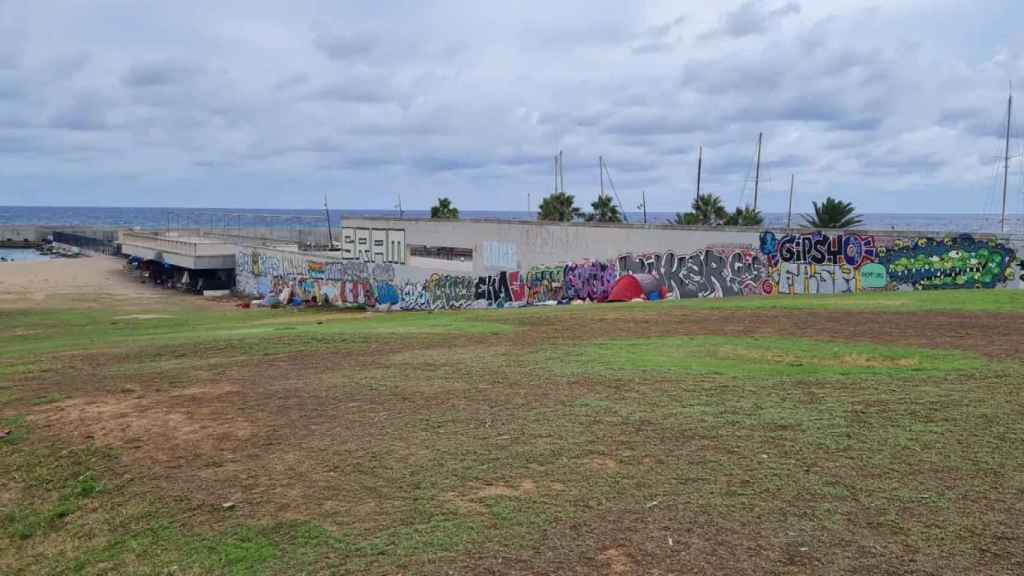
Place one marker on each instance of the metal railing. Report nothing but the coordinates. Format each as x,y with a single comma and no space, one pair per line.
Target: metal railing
90,243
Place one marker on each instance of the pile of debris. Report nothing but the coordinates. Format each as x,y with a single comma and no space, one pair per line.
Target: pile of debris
58,250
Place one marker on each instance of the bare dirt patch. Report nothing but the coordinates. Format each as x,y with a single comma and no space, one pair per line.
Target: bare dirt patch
603,464
161,425
617,562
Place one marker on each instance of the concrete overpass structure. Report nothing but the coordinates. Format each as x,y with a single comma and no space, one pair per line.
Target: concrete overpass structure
190,252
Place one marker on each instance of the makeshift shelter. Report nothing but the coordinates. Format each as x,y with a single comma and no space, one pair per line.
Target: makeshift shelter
636,286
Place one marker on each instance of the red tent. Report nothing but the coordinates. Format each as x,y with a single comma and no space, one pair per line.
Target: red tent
633,286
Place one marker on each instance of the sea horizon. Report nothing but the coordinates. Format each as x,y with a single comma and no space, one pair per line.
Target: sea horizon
171,217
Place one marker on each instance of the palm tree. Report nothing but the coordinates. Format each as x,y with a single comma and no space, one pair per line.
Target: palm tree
745,216
604,210
444,210
706,210
559,207
833,213
687,219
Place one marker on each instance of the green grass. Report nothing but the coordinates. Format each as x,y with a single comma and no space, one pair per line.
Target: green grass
754,358
994,301
57,331
508,442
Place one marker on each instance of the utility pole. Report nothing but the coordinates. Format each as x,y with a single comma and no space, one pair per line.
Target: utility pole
757,171
643,204
1006,158
600,168
789,215
700,162
399,206
529,204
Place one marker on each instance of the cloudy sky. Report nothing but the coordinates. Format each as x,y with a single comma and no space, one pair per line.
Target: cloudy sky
898,106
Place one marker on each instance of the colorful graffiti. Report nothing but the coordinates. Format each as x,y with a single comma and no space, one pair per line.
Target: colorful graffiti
852,250
545,284
955,262
589,280
502,289
793,279
818,263
793,264
710,273
439,292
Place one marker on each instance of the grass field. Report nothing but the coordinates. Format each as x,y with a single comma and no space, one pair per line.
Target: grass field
875,434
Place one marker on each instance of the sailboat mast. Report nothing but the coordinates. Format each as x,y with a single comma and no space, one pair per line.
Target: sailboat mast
556,173
700,162
757,171
330,234
1006,157
789,214
600,168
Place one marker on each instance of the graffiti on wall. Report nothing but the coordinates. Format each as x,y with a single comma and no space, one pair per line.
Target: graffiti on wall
589,280
373,245
500,255
439,292
502,289
710,273
819,263
852,250
545,284
341,283
946,263
791,264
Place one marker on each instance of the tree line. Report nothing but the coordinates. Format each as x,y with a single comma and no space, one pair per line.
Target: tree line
705,210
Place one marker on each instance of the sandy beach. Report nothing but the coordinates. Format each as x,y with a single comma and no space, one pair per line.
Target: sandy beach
77,282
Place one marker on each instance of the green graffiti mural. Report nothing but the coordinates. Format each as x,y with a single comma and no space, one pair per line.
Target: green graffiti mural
873,276
960,262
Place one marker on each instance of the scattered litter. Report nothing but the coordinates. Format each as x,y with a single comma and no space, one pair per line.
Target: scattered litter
5,433
652,504
142,317
216,293
228,505
669,540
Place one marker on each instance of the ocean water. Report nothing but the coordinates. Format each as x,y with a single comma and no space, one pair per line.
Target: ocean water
157,218
20,255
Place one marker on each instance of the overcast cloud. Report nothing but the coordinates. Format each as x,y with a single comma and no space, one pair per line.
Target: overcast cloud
898,106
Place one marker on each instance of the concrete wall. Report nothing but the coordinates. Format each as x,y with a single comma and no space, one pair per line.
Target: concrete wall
503,245
32,233
39,233
516,264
